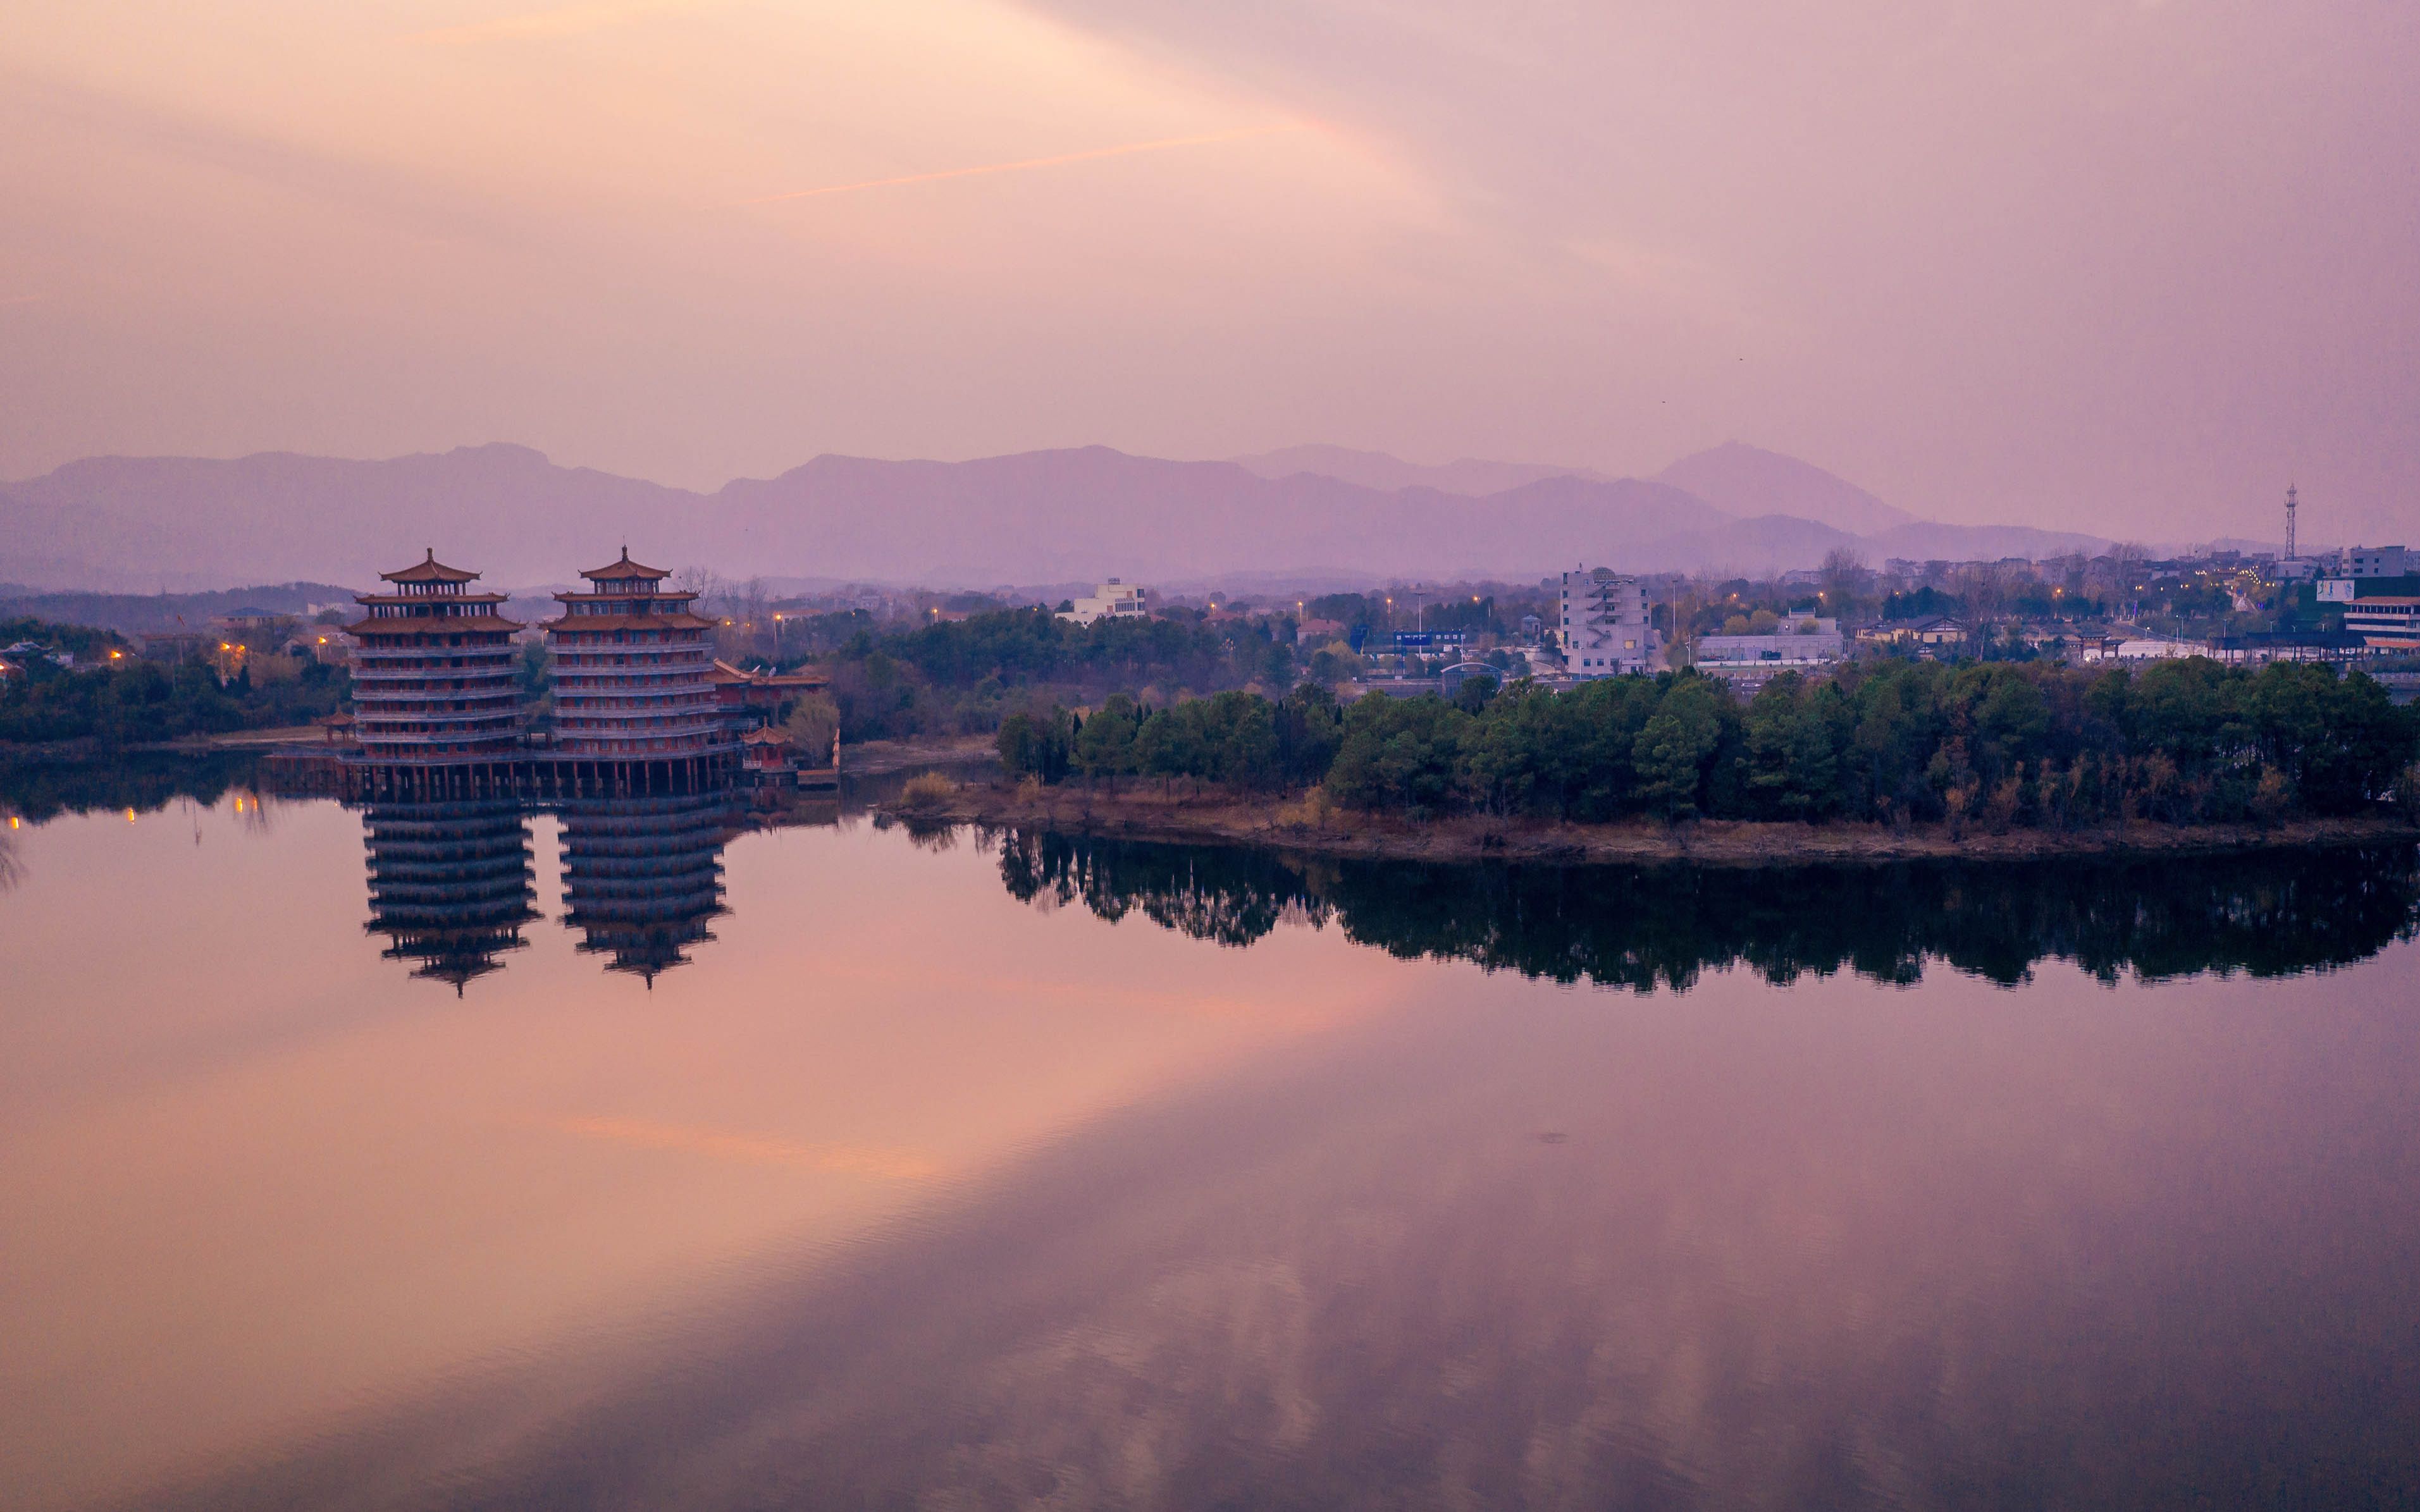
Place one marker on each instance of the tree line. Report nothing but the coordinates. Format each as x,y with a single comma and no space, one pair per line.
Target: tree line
2269,914
963,676
2000,743
131,702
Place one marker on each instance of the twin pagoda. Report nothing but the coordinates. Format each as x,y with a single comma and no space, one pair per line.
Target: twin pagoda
438,705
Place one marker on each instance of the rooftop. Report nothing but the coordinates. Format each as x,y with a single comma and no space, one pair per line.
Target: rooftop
430,570
624,568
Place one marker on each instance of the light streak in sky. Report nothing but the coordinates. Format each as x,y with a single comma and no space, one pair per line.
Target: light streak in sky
564,21
1124,149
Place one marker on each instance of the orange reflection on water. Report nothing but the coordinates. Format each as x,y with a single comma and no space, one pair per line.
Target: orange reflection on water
262,1179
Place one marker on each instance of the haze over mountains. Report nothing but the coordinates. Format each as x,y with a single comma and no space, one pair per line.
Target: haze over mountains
142,524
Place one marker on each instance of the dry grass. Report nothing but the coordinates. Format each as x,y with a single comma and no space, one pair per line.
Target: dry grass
1316,811
927,790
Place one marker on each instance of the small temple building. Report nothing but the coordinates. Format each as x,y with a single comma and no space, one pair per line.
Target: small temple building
749,699
632,685
433,670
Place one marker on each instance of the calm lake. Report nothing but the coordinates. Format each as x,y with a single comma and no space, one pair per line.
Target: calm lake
641,1156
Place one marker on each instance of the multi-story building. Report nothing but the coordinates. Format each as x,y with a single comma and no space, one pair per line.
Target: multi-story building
1114,600
433,670
1801,643
2373,562
631,665
1606,629
2385,624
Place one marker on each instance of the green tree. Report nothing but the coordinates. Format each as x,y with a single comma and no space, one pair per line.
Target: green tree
1675,750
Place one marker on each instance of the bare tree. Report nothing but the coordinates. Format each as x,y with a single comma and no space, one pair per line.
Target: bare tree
1845,580
707,584
1985,587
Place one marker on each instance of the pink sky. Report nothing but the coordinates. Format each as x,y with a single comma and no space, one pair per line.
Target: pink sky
2096,264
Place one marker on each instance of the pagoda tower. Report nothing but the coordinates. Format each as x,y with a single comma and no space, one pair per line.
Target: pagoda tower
642,876
631,664
449,885
433,666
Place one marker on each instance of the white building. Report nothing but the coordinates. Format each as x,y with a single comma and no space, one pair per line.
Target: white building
1802,643
2357,563
2386,624
1605,630
2373,562
1113,600
2160,648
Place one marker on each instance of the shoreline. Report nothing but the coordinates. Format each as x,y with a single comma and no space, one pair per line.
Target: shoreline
1281,823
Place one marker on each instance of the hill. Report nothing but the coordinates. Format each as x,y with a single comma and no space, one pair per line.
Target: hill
1749,480
141,524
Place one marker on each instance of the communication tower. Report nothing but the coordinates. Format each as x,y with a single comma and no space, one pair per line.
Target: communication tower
2290,523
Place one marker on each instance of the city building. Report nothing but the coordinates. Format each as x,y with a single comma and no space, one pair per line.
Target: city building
2385,624
433,666
1113,600
256,621
2370,572
2372,561
1803,642
631,672
2160,648
1932,632
1604,627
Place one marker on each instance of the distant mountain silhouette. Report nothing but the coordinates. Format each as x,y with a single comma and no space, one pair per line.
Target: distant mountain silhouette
141,524
1470,476
1749,480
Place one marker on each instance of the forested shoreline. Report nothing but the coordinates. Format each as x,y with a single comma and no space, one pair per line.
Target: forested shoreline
2005,744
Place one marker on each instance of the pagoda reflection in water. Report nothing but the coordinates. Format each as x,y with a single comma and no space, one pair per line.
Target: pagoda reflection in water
642,876
449,885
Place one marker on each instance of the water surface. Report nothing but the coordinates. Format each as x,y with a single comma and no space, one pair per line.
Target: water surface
638,1155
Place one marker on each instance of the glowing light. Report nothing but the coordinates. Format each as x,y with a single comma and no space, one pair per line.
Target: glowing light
130,816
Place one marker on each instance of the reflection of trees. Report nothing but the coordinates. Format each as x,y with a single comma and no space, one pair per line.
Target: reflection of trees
2269,914
144,781
642,876
1232,895
449,885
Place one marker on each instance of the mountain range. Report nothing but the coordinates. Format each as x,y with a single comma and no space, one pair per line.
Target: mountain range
144,524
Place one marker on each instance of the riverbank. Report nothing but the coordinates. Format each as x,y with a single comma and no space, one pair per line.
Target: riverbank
1207,817
873,758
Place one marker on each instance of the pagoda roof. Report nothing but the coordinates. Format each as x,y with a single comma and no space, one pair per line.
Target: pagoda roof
726,673
766,735
624,568
430,570
629,622
421,624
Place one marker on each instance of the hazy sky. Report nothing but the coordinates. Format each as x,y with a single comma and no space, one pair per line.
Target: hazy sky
2099,264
